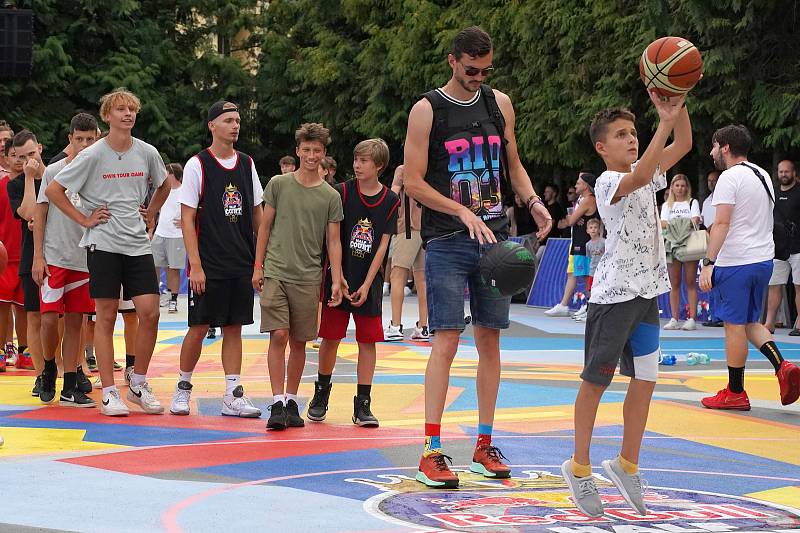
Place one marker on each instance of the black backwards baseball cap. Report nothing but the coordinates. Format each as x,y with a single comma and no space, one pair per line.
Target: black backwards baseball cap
218,108
589,178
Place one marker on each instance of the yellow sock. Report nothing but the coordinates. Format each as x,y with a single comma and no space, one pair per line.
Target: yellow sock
627,466
579,470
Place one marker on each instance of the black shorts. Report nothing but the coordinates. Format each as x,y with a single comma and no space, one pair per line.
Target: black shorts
226,302
624,333
30,293
108,271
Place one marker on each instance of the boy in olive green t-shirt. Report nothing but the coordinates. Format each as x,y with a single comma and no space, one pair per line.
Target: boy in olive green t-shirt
300,211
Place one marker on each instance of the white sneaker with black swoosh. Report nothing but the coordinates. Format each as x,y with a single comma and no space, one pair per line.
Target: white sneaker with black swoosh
112,405
142,395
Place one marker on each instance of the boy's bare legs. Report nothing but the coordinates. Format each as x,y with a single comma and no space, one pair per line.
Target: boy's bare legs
276,362
586,405
635,411
295,366
422,297
106,309
367,356
327,356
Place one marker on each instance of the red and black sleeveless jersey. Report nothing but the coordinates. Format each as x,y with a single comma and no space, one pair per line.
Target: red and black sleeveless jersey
224,219
366,220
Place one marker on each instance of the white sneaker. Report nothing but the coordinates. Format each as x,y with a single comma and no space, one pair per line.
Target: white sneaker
420,334
98,383
406,291
579,318
581,311
237,404
180,400
689,325
163,300
558,310
143,397
393,333
112,405
672,324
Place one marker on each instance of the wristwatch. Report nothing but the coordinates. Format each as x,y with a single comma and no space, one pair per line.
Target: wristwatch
707,262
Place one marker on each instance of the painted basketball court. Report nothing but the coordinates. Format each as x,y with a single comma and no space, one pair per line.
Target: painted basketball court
75,470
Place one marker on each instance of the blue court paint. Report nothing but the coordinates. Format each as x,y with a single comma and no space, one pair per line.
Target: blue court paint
322,462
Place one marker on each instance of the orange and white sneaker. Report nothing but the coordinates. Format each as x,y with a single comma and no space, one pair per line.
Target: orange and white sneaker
725,399
434,472
789,380
487,461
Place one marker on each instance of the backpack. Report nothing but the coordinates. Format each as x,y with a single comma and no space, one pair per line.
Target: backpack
440,125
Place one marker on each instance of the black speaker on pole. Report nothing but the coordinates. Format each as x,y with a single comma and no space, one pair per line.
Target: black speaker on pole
16,43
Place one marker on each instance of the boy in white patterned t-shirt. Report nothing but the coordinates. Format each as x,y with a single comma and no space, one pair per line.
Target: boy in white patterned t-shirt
622,323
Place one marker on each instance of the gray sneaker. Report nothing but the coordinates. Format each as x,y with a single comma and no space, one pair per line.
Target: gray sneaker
630,486
583,490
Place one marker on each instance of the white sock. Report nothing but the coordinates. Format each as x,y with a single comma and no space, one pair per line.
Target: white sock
107,390
288,397
185,376
137,380
231,382
277,398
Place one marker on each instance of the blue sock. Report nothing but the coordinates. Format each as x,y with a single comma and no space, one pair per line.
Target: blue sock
484,435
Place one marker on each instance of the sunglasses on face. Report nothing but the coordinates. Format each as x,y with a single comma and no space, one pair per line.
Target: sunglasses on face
474,71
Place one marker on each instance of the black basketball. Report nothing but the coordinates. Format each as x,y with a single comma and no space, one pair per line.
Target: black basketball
507,268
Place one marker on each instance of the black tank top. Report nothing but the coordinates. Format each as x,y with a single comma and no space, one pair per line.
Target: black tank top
224,219
464,158
579,234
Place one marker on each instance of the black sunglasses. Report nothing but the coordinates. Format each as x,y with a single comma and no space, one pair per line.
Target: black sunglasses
474,71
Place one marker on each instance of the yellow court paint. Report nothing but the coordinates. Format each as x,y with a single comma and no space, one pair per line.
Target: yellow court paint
33,441
789,496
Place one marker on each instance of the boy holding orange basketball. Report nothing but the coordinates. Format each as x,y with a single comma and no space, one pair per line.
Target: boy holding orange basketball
622,320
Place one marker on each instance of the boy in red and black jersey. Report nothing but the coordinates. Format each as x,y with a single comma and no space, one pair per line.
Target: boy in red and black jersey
370,219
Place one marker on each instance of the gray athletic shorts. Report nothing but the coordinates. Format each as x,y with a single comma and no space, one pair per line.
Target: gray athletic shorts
168,253
625,333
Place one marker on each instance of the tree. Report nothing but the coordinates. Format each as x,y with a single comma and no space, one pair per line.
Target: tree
159,50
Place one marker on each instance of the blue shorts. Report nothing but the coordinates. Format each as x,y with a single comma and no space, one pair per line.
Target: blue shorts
451,263
739,291
578,265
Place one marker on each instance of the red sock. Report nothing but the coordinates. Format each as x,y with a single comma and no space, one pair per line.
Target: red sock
432,440
484,440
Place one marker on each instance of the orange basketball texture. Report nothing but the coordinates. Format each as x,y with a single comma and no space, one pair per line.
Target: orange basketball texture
671,66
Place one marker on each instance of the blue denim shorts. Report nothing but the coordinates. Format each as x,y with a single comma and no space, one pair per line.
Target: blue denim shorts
451,263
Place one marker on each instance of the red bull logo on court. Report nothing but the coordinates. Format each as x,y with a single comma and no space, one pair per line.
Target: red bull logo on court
541,502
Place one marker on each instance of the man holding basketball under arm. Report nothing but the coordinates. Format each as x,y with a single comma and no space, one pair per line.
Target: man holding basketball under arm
461,163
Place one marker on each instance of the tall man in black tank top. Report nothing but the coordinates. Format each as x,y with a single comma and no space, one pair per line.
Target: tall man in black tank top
460,158
221,211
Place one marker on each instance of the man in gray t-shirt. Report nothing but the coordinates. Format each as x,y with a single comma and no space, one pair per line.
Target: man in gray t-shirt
59,269
111,178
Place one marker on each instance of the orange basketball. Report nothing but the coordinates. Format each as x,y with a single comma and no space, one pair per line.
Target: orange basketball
3,257
671,66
